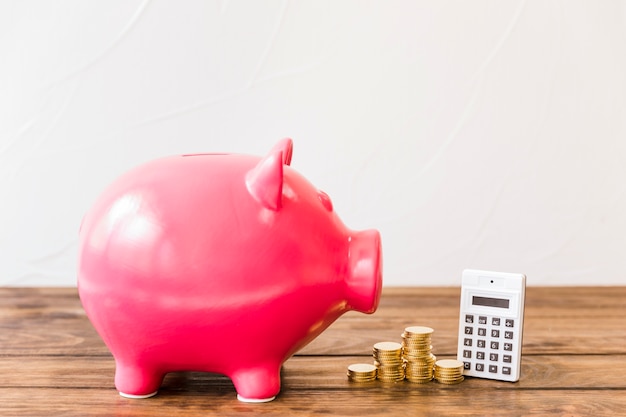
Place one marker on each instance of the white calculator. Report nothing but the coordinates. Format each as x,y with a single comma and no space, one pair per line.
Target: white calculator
491,324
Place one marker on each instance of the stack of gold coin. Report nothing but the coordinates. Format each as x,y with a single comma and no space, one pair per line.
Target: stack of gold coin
417,355
388,360
449,371
362,372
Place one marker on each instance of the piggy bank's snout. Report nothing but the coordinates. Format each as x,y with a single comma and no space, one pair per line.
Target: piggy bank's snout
365,277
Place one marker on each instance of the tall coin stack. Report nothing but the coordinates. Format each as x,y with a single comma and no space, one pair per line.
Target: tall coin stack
449,371
388,360
418,358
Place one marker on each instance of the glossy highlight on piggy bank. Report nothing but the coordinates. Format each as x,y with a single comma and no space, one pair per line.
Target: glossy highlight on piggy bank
184,256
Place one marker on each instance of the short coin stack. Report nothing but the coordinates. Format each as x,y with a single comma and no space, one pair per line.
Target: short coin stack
362,372
388,360
419,361
449,371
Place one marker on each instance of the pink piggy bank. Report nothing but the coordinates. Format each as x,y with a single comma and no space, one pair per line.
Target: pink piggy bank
187,259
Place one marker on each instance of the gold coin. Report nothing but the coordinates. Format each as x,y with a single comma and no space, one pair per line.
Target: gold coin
425,371
356,379
418,330
419,361
390,371
451,381
416,353
421,369
454,374
391,379
419,380
418,364
416,342
361,368
389,359
415,337
447,374
387,355
387,365
390,376
410,375
449,364
361,379
387,346
448,378
384,365
420,377
352,379
416,348
448,370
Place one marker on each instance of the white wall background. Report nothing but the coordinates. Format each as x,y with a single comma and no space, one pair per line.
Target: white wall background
484,134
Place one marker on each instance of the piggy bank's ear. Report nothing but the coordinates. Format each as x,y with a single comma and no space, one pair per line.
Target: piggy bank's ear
286,147
265,180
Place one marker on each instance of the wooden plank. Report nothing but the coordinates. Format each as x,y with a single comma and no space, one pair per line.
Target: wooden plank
541,301
448,401
560,334
309,372
583,300
52,321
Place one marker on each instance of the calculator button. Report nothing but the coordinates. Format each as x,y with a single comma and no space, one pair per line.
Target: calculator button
469,330
506,370
467,354
495,321
467,365
508,335
507,358
482,332
495,333
482,319
493,369
508,346
481,343
509,323
493,357
480,355
480,367
495,345
469,318
467,342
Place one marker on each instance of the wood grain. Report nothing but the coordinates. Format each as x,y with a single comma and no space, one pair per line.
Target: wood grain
574,360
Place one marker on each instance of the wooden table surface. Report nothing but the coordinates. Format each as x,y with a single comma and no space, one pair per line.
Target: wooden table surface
574,362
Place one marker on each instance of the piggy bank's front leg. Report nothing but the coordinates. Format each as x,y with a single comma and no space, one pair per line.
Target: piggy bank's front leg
134,381
257,384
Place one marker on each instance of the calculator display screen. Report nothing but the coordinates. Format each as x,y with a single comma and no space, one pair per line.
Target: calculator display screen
490,302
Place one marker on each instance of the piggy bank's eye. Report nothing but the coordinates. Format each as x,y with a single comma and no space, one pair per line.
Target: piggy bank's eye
325,199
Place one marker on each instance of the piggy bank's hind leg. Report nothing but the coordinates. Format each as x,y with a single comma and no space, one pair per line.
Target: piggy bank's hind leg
133,381
258,384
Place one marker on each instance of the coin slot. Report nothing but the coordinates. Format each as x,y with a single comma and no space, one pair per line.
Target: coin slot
203,154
